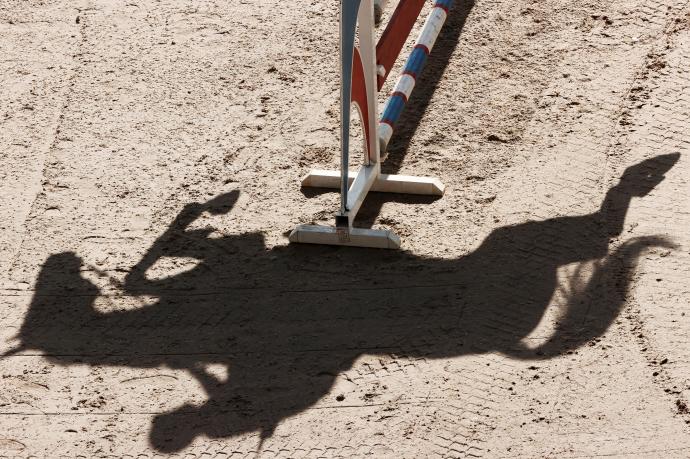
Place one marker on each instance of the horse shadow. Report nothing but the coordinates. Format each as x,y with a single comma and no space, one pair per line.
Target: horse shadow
286,321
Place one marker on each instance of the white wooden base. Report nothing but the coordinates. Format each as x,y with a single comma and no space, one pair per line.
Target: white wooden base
354,237
370,180
385,183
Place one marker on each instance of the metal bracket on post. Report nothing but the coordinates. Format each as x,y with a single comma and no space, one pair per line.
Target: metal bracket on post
359,88
342,228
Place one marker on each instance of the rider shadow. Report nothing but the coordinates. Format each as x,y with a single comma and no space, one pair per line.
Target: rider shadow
286,321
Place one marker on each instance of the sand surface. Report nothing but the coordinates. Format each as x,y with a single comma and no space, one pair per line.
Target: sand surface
150,159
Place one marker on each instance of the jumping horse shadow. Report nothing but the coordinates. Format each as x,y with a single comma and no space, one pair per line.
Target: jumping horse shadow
286,321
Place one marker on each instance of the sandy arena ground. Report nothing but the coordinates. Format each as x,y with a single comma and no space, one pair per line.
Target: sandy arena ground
151,152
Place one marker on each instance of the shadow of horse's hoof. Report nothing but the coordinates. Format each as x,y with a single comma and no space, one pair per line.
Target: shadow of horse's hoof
172,432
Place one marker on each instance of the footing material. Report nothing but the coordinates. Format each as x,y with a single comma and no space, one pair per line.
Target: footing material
352,237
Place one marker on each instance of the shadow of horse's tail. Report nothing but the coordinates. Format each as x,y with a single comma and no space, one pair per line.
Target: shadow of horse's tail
592,310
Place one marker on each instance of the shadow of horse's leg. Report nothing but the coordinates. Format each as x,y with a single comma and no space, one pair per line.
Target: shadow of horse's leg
592,310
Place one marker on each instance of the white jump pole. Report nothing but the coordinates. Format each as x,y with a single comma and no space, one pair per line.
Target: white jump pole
359,88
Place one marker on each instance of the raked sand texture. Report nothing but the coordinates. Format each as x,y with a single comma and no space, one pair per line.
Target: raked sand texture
150,159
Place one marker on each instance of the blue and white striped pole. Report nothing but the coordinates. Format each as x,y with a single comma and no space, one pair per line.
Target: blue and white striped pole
412,70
